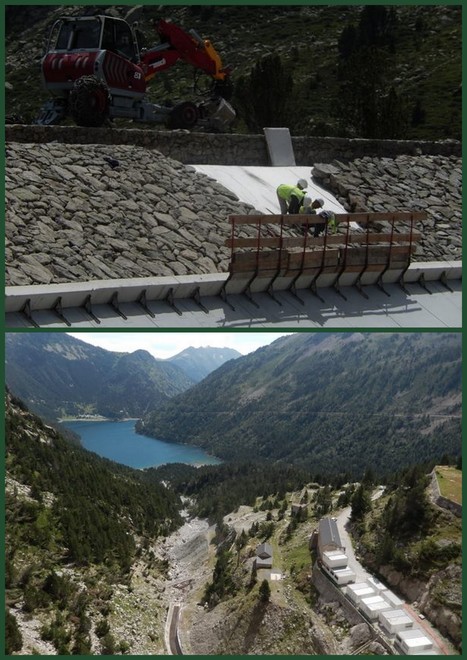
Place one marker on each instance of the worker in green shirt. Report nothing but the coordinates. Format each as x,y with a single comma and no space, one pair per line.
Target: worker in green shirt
290,197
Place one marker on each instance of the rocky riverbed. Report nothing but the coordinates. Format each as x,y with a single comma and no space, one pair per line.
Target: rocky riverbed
86,212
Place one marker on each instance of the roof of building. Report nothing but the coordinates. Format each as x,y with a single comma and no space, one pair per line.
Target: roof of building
264,550
329,533
414,637
263,562
376,584
374,603
396,616
391,598
342,571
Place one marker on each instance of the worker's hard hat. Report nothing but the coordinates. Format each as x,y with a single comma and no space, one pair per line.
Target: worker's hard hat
319,202
302,183
306,200
327,215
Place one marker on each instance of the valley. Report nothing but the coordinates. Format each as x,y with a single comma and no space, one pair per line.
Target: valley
109,556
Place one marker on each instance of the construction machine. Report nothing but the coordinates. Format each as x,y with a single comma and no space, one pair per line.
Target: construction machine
96,71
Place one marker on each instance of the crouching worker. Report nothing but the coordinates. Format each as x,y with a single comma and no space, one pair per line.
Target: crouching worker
328,218
290,197
309,208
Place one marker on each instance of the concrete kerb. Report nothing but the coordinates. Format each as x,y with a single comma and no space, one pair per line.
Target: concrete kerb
74,294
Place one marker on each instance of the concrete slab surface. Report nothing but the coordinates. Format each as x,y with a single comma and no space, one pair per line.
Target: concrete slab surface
413,308
257,185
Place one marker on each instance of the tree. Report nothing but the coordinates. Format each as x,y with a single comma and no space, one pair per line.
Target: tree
361,503
265,96
418,113
254,575
264,591
348,41
13,637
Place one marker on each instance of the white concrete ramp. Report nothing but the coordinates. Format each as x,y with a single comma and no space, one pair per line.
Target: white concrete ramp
280,149
256,185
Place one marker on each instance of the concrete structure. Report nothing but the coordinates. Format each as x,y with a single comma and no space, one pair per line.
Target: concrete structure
355,592
340,576
335,559
194,301
412,642
391,598
394,621
372,606
375,584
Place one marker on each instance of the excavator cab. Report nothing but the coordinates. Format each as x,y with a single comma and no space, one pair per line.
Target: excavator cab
89,33
95,73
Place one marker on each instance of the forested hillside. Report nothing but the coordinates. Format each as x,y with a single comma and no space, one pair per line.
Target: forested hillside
328,402
370,71
58,375
74,525
415,545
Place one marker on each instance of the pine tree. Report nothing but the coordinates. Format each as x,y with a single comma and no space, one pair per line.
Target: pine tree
264,591
361,503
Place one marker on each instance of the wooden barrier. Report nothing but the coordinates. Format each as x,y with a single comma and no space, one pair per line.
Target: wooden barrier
282,249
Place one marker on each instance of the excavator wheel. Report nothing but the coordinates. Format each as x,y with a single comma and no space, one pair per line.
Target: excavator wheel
184,115
89,101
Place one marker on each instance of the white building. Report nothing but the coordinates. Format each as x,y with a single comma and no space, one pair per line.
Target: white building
335,559
340,576
343,575
357,591
394,621
412,642
391,598
375,584
372,606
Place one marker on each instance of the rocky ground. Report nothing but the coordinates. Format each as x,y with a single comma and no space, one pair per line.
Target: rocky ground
405,183
86,212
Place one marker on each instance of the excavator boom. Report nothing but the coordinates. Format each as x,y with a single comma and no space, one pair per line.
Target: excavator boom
189,47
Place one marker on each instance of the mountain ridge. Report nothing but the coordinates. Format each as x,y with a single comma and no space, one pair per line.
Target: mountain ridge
199,362
338,402
58,375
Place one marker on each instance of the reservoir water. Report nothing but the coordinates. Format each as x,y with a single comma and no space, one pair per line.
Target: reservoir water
119,442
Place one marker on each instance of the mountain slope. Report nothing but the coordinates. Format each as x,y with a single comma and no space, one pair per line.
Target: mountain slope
197,363
332,402
424,58
75,526
58,375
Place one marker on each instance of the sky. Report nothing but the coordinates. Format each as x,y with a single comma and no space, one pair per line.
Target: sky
164,345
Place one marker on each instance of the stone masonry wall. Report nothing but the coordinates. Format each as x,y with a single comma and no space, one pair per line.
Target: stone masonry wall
229,149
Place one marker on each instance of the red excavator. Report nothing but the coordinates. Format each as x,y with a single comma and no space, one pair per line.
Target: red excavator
96,71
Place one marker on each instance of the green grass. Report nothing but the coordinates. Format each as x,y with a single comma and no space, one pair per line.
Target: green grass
450,482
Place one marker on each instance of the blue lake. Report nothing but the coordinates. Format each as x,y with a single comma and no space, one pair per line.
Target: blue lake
119,442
